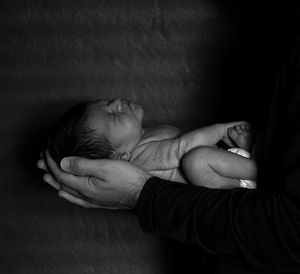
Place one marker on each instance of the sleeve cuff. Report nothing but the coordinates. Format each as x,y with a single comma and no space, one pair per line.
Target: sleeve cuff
143,207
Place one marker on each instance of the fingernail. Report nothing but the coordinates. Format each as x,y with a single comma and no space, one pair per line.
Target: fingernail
64,164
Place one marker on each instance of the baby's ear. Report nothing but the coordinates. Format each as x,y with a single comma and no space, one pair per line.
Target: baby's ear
125,156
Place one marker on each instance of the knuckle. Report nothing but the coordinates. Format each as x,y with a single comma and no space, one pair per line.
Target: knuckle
87,188
59,178
90,183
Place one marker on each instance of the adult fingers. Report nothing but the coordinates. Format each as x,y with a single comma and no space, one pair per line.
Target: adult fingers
71,191
83,167
53,166
66,179
76,200
41,164
81,202
49,179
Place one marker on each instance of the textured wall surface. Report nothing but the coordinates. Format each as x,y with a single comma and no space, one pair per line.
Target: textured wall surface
189,63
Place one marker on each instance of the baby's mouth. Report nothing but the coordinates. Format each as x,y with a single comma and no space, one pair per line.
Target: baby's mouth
130,105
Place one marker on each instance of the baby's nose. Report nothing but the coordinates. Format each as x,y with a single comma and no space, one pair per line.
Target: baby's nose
116,103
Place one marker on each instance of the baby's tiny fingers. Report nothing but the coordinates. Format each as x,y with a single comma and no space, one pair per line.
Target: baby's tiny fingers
227,141
232,133
248,127
238,129
49,179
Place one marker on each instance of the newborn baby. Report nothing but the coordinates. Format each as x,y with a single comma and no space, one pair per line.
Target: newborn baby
113,129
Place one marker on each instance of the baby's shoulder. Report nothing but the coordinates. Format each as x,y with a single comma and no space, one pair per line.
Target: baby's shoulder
160,133
149,150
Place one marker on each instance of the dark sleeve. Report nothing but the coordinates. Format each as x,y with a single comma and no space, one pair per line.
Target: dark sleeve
263,228
263,225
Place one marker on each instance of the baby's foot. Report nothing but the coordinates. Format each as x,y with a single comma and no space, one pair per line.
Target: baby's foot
241,135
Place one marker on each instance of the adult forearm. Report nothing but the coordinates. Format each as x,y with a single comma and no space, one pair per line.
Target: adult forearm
259,227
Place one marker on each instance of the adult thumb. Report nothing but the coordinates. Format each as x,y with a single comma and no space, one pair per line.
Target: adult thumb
78,166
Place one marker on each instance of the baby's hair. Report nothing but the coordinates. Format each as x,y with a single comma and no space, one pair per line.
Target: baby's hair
72,137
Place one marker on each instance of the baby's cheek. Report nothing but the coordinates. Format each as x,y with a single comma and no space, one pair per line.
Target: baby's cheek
140,114
134,132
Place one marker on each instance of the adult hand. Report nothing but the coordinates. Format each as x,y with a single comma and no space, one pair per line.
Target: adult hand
113,184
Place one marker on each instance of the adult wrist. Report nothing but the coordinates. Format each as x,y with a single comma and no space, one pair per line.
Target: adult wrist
139,187
137,193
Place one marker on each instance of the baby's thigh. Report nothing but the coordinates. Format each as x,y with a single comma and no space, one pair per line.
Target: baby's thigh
222,162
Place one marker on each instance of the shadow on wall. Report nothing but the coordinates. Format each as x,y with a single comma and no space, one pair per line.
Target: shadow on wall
165,55
246,73
189,65
41,120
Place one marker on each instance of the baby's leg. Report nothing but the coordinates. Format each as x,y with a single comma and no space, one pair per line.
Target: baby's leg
216,168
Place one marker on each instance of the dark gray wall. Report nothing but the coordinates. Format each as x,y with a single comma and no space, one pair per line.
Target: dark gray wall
189,63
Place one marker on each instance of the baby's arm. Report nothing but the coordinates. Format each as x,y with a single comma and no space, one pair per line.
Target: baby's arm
167,154
206,136
146,155
157,155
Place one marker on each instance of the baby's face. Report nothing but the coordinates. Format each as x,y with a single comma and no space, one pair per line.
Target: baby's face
120,120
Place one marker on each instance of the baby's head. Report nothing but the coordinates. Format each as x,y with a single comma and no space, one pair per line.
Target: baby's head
98,129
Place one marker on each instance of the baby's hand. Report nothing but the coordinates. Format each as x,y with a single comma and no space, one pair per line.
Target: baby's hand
225,127
241,135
